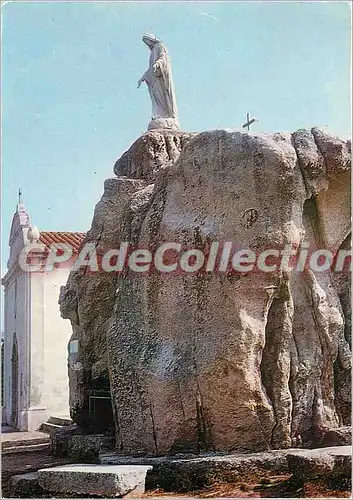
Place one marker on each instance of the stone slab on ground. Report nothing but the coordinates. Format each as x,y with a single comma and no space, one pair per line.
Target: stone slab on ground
14,464
334,461
185,472
93,479
25,486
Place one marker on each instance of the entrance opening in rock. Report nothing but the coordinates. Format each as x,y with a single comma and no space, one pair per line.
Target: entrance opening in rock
100,409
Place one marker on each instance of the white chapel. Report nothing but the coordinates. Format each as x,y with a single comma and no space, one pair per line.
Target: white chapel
35,375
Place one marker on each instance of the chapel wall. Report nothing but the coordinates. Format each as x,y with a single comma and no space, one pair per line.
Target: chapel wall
15,323
56,339
23,298
10,328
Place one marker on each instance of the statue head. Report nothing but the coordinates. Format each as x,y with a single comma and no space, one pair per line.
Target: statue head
150,40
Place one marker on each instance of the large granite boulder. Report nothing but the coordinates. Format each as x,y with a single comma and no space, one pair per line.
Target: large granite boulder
88,298
220,360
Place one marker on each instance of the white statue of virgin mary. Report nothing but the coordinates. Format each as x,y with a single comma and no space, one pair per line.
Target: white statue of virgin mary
159,81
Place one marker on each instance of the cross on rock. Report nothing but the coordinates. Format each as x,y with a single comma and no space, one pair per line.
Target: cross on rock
249,121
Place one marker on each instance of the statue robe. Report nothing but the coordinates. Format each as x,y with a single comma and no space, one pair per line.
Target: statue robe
160,84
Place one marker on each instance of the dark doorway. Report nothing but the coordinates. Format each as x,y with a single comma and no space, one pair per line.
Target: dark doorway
100,409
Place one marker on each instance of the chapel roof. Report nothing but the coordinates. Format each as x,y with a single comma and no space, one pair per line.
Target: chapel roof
72,239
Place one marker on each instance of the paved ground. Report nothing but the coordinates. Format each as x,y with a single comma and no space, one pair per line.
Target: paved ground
271,487
267,486
21,463
10,434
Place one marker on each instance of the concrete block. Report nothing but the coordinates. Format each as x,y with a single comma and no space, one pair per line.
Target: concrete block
92,479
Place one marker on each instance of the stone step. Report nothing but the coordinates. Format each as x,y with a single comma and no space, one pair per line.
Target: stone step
59,420
55,423
93,479
49,428
16,443
27,448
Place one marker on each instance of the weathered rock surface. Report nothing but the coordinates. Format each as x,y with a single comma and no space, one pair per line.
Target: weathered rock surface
86,447
85,290
26,486
309,464
342,436
102,480
218,361
59,440
88,298
150,154
185,473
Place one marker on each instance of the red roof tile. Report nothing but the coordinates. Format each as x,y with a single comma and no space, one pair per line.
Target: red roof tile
72,239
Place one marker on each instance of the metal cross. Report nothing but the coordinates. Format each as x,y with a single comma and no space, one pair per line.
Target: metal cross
248,121
19,196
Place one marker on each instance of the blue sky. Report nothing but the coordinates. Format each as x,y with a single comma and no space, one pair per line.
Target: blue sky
71,106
